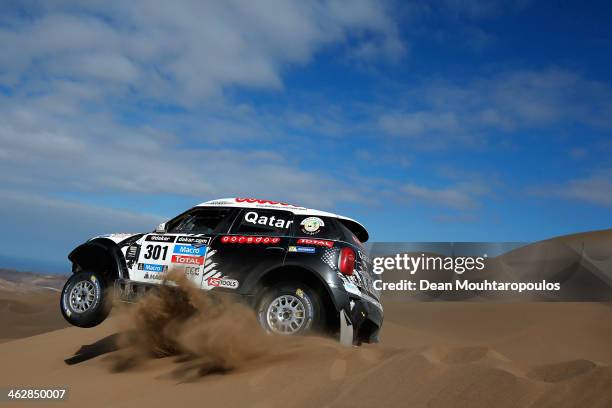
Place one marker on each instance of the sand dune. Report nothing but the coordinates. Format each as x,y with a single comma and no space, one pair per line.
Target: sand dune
21,282
27,314
431,354
29,304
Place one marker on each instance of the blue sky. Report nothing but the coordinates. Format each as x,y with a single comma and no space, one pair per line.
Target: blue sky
427,121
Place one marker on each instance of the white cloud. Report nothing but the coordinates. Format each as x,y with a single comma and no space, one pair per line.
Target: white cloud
507,102
578,153
459,196
96,154
75,70
186,51
594,189
460,218
463,36
55,226
480,9
418,123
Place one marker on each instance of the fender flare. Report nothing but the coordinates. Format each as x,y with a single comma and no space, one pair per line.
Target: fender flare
338,297
85,255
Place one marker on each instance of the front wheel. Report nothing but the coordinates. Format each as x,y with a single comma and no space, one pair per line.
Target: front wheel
289,309
84,300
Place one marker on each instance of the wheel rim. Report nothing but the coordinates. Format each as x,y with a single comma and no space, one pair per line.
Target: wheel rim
286,314
82,296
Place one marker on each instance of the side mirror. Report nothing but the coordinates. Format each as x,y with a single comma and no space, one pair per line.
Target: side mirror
161,228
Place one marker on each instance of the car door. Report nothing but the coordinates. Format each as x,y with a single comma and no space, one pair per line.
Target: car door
256,243
184,248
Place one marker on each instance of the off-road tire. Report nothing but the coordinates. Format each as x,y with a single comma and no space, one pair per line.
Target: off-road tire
309,303
84,301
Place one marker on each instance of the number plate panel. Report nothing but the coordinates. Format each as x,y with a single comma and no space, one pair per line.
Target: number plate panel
163,253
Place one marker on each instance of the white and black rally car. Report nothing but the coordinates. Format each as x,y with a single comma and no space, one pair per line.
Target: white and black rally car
301,270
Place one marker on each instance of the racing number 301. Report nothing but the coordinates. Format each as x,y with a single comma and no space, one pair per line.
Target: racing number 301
155,251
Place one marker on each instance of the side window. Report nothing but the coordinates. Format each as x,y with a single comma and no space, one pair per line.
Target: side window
199,221
316,227
263,222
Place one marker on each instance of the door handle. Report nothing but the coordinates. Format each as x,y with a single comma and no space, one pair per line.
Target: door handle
275,248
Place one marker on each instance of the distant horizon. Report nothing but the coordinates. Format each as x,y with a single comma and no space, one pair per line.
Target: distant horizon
35,266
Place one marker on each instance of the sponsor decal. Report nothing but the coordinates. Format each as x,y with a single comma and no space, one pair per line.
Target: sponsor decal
299,292
267,203
152,267
218,202
317,242
311,225
189,250
241,239
192,271
153,275
223,283
193,240
253,217
191,260
258,201
160,238
309,250
132,252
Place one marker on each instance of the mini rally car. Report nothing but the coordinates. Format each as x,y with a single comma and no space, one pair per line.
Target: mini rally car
302,270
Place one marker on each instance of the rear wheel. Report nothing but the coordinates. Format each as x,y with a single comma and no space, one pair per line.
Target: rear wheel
84,300
289,309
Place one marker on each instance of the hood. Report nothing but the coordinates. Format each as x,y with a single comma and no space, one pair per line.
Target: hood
118,237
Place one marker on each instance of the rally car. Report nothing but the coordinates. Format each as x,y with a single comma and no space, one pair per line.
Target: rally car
302,270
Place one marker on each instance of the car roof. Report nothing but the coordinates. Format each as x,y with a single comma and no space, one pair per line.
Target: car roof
354,226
